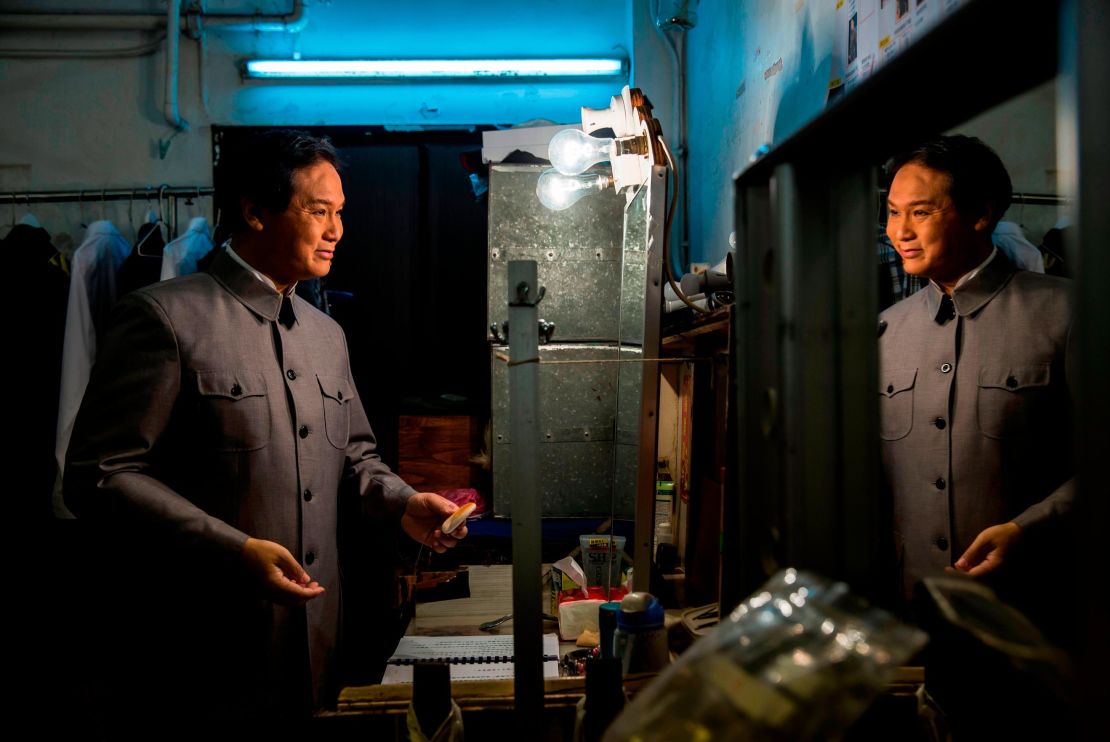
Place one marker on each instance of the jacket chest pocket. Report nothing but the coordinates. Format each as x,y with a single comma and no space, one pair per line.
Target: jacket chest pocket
896,402
336,393
234,410
1008,398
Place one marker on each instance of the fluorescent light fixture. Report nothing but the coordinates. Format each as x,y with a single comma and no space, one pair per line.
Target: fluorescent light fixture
432,68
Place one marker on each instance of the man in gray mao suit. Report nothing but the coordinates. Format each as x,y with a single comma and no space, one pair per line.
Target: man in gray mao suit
220,438
974,400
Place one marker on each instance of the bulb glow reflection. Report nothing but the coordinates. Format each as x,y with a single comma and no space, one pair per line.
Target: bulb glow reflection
572,151
557,191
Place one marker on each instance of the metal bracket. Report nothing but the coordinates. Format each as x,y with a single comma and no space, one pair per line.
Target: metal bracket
547,329
500,334
522,291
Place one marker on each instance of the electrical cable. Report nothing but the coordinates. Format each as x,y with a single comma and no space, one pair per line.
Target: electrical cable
667,233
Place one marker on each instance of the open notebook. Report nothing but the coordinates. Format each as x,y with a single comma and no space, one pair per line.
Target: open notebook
470,657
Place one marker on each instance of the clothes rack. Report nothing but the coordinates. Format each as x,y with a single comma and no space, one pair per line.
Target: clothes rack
1028,199
92,195
1038,199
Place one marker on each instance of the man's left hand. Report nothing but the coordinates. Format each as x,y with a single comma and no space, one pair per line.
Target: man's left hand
989,549
424,515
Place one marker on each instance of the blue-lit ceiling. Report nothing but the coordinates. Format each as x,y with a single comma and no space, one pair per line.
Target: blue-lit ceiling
434,29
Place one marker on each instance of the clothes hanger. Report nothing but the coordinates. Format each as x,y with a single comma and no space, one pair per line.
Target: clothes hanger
143,241
29,218
157,221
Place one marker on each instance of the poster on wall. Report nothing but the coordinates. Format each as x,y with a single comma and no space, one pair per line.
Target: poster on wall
868,33
868,37
926,13
895,28
845,47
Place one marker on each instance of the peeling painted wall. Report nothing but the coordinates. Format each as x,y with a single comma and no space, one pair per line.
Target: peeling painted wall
758,70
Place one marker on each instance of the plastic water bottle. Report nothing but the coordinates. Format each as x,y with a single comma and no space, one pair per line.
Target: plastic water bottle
798,660
640,641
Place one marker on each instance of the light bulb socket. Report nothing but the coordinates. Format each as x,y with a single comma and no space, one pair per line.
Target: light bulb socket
636,145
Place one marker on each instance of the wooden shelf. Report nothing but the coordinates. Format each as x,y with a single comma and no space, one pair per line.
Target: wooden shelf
680,337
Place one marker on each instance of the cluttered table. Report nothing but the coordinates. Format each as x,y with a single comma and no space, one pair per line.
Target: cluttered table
490,598
488,705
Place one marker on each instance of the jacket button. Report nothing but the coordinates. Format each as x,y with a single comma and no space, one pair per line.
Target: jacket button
340,395
308,495
1011,382
939,422
291,374
309,558
942,544
940,483
236,390
945,367
890,389
303,432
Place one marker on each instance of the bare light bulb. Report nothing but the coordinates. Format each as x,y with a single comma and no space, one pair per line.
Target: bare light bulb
572,151
557,191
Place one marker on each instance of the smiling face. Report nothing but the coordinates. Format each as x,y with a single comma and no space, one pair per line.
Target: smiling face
300,241
934,240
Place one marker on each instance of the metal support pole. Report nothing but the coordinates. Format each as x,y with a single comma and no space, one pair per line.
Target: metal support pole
524,293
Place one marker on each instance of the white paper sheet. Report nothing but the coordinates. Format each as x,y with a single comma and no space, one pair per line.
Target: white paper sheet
414,648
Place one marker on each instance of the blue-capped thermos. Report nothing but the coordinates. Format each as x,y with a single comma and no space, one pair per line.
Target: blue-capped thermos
640,640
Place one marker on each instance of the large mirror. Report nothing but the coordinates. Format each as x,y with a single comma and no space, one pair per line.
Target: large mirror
578,252
599,262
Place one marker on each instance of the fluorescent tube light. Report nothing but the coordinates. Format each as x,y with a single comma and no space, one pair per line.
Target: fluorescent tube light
432,68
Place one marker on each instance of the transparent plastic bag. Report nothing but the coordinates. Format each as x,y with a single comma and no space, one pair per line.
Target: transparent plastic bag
800,659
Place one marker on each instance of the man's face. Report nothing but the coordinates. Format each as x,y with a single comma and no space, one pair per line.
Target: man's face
933,239
304,236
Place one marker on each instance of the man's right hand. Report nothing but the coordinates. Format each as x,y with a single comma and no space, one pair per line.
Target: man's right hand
278,573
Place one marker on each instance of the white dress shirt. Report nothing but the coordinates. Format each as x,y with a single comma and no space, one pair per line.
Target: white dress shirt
92,293
1011,240
180,256
255,272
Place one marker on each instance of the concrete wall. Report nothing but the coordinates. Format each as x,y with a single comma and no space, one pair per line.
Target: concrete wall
759,69
98,123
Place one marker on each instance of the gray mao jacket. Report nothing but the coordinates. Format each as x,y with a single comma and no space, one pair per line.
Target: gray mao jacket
974,411
207,420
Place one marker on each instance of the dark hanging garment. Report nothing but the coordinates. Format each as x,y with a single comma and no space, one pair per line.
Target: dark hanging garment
144,265
313,292
42,321
1052,248
205,262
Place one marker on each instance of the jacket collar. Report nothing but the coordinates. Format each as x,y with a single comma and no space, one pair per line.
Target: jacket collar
256,296
976,293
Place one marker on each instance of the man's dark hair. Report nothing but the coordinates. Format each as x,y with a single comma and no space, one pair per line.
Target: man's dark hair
260,167
977,177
